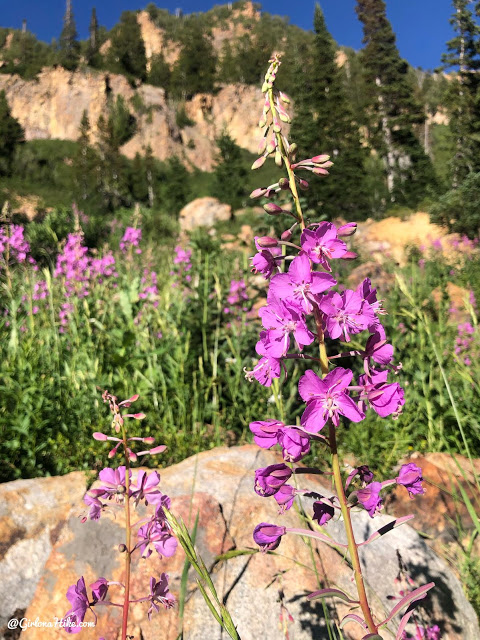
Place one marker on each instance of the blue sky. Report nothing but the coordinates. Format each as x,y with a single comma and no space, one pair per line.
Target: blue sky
421,26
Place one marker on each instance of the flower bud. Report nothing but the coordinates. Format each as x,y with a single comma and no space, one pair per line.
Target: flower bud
277,127
283,97
284,183
286,235
293,149
321,159
262,146
149,440
258,193
303,184
350,255
100,436
268,536
160,449
272,208
319,171
347,229
267,242
122,548
278,158
258,163
284,117
271,146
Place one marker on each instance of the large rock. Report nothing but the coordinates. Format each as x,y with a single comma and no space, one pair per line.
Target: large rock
203,212
258,589
32,514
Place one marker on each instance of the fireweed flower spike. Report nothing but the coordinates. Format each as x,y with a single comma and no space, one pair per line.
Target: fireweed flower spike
120,490
302,308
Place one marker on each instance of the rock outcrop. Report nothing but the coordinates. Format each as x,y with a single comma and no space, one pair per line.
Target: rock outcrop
51,107
257,589
203,212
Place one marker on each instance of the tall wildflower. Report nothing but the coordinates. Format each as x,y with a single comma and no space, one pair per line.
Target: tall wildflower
302,310
118,490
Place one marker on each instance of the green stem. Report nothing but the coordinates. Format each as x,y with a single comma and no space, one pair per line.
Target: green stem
352,545
128,558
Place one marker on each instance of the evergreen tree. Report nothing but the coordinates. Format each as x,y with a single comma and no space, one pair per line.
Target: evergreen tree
324,123
159,74
93,53
462,99
85,166
113,172
69,54
194,71
394,109
127,50
230,174
174,189
11,135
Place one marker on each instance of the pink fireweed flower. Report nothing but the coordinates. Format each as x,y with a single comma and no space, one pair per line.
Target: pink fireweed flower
99,589
369,498
322,244
285,497
156,535
270,479
265,261
280,319
96,507
364,474
266,432
410,476
300,285
295,444
113,483
385,399
78,598
267,368
182,256
131,238
145,487
345,313
159,594
323,510
377,349
327,399
268,536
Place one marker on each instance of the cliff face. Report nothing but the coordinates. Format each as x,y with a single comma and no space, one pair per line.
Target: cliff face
52,107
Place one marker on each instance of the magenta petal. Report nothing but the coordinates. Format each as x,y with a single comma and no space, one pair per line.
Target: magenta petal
300,270
349,409
314,417
310,386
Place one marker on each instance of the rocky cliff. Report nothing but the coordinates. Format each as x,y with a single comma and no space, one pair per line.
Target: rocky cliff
52,106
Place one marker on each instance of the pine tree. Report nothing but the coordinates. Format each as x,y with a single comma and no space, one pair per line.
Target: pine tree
159,74
127,51
230,173
113,183
11,135
93,53
69,54
463,96
85,165
194,71
324,123
394,109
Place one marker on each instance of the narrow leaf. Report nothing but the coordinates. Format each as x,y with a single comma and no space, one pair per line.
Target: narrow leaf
210,604
417,594
352,617
327,593
403,624
386,528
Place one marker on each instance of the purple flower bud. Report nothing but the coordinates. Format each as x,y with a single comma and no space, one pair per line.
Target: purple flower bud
267,242
258,193
410,476
285,497
321,159
295,444
268,536
269,480
347,229
284,183
322,512
272,208
303,184
99,436
350,255
286,235
258,163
